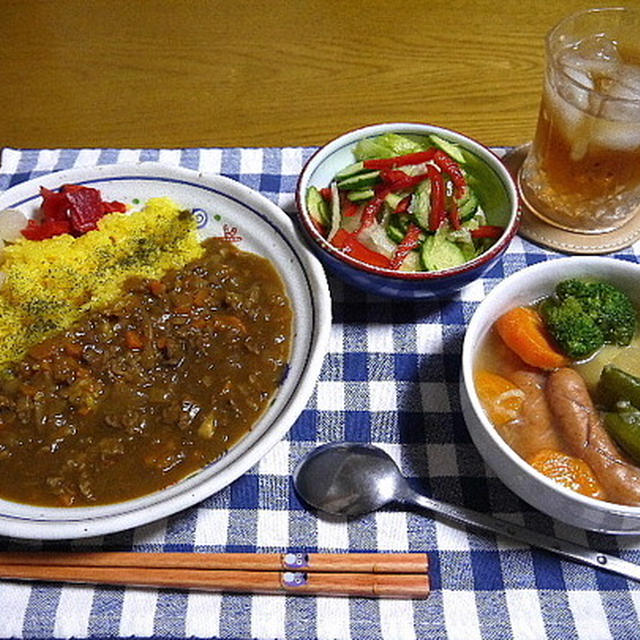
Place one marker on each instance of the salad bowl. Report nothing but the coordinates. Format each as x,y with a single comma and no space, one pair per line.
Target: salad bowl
370,255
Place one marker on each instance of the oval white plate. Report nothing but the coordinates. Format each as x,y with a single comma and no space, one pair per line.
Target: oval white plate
223,208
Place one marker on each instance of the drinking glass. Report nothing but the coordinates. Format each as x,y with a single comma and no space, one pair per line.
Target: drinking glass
582,172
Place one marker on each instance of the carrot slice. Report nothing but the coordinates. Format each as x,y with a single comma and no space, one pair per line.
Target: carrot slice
500,398
522,330
133,340
570,472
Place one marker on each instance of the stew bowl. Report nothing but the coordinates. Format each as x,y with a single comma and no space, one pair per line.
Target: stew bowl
222,208
498,197
523,288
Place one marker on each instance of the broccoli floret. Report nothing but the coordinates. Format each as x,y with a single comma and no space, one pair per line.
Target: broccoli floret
576,333
611,309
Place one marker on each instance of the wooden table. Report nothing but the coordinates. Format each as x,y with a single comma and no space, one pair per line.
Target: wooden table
194,73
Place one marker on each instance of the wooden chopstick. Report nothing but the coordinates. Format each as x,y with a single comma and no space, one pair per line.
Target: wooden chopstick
403,575
326,562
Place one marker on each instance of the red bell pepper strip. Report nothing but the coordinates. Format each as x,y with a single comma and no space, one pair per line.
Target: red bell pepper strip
370,212
453,169
393,175
399,161
348,244
487,231
326,194
340,239
372,208
438,213
350,209
410,242
454,217
403,205
400,181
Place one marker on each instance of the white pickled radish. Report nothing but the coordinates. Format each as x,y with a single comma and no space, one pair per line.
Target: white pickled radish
12,222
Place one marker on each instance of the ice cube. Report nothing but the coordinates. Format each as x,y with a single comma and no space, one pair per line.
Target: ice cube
577,69
621,136
597,48
627,82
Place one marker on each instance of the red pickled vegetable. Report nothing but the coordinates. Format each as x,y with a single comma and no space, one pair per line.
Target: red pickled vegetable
114,206
45,229
73,209
85,209
54,205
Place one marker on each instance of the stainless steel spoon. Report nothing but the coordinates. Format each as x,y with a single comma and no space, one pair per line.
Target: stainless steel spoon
353,479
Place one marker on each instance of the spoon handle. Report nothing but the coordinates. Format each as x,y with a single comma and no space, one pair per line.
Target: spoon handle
555,545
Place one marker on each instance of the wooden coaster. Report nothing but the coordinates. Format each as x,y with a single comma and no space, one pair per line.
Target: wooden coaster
537,230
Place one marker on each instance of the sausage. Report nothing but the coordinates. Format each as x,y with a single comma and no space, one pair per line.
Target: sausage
534,429
582,428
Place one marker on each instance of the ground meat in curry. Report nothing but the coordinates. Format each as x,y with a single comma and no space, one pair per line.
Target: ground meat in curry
138,395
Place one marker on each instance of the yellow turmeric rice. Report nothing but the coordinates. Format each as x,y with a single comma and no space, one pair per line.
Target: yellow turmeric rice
51,283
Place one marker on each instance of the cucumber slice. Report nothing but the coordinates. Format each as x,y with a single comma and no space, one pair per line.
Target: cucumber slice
360,181
438,253
467,206
450,148
387,145
393,200
318,206
350,170
397,227
411,262
359,196
421,204
395,233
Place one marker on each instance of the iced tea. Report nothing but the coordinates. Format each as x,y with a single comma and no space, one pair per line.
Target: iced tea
583,170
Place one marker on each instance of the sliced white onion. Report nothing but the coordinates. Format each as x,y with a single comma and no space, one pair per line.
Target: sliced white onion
376,238
335,211
12,222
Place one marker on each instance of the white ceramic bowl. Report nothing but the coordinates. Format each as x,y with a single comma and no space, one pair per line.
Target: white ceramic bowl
337,154
222,207
544,494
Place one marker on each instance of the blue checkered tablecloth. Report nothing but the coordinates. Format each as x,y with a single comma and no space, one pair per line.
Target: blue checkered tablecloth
391,378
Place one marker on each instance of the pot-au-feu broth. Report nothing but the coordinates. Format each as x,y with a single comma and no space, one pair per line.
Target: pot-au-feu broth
136,396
